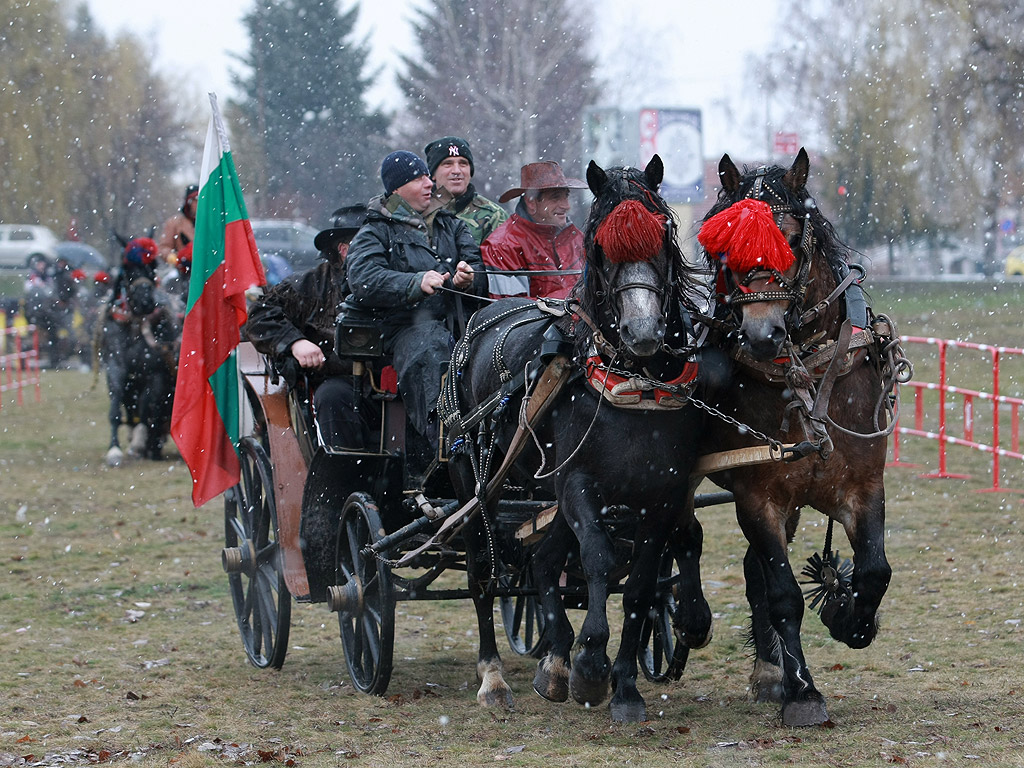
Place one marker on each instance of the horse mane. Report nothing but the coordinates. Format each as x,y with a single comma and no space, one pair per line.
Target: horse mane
625,183
835,252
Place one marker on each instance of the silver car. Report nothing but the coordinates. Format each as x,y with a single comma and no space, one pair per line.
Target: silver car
21,243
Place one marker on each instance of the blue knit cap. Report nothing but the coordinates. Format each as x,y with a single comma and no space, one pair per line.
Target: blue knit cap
400,168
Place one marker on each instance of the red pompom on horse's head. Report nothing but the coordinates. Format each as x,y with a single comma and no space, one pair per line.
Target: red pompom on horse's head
747,235
631,233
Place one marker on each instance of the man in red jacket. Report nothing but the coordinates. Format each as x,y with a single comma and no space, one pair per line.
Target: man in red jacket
538,237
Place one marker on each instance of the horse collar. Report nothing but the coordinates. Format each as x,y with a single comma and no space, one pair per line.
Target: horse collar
629,390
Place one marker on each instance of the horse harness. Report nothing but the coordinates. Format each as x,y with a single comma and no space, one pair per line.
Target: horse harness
810,368
143,325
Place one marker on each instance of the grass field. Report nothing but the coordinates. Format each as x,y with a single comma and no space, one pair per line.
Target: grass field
120,644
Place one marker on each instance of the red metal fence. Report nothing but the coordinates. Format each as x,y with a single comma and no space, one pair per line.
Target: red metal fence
996,433
19,362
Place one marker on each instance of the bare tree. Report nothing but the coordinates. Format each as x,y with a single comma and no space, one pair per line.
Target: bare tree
512,76
917,104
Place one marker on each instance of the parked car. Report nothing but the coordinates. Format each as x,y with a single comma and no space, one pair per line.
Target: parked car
81,256
20,243
285,239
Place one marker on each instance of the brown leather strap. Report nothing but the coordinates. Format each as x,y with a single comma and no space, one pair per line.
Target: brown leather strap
548,386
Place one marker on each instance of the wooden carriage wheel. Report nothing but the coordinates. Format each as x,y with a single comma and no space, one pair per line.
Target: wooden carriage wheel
660,657
252,559
363,596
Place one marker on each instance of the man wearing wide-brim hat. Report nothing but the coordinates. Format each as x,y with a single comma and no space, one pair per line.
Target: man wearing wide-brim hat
538,237
293,324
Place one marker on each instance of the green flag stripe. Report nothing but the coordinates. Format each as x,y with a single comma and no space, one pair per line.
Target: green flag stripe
220,199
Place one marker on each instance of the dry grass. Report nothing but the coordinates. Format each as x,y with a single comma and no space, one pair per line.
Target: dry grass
120,642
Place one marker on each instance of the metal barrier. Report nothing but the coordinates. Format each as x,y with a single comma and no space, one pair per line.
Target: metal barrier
19,367
949,394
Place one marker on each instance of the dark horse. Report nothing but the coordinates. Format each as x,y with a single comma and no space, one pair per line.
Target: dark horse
604,461
137,342
799,374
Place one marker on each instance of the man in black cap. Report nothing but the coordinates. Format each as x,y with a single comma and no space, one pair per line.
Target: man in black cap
415,270
293,324
450,162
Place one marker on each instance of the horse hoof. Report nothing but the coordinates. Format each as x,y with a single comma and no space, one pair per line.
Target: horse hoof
552,680
803,713
114,457
501,697
629,712
590,693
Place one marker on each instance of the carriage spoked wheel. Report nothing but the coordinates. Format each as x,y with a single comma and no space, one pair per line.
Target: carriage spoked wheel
363,596
660,656
252,559
523,616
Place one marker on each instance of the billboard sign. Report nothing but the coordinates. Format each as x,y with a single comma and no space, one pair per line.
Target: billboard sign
675,135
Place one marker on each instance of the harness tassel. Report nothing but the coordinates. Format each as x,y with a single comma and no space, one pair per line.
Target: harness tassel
748,236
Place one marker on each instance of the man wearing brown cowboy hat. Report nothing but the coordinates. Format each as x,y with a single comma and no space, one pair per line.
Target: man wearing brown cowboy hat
293,324
538,237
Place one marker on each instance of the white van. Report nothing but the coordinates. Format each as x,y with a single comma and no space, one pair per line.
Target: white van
20,243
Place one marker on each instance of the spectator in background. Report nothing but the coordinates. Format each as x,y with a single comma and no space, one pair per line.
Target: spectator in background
538,236
450,162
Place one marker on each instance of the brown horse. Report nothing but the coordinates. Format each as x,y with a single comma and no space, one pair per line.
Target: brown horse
799,374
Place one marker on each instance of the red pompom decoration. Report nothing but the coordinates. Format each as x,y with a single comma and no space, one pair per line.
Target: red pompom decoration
746,233
631,233
140,250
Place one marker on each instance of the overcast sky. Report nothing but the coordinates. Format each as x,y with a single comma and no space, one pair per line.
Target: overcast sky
695,66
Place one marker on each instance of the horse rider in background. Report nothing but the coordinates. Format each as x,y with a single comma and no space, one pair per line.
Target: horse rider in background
180,229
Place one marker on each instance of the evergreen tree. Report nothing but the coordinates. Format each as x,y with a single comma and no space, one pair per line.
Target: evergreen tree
511,76
304,103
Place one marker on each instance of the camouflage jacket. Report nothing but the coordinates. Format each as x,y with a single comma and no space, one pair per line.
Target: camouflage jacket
481,215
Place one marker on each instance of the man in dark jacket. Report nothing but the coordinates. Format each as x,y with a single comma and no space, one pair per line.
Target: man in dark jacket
293,323
414,268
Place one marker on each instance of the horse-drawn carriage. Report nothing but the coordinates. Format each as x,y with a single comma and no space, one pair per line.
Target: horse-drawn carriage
572,449
329,525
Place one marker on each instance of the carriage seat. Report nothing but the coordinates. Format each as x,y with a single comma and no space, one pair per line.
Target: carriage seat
358,336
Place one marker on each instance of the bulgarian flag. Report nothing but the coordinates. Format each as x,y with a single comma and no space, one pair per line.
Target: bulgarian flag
205,419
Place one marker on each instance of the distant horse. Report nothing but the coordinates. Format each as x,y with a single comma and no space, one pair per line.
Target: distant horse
618,437
137,344
801,374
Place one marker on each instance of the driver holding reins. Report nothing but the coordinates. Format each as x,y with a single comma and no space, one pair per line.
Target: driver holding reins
412,259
